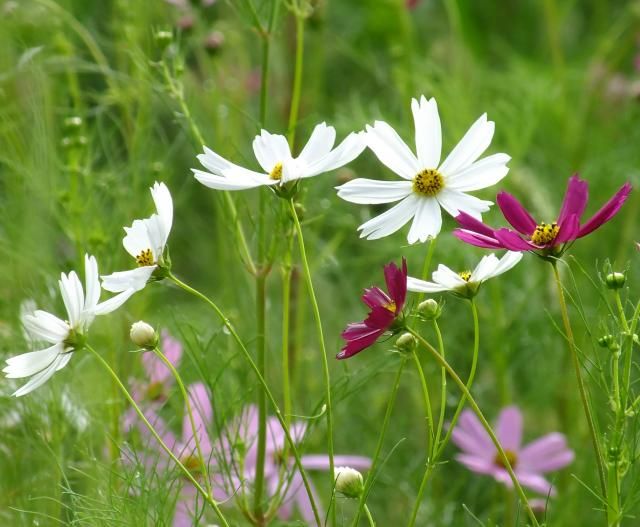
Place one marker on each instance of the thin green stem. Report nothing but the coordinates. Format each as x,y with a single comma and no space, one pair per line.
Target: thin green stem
287,270
208,498
367,513
383,432
258,488
204,463
581,387
263,384
443,384
427,400
485,424
266,48
297,80
323,349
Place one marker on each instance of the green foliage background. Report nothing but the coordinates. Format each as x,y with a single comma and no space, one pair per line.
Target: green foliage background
558,78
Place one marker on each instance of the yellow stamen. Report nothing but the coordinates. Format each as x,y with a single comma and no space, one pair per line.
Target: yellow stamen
511,456
145,258
391,306
428,182
545,233
465,275
276,173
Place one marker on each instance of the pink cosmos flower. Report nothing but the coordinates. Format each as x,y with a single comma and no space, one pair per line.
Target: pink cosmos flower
529,462
385,309
281,475
547,238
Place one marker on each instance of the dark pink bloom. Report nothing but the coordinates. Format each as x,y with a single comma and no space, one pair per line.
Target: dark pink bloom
548,238
529,462
385,309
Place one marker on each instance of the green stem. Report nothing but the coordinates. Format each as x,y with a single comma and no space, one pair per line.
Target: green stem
443,384
266,47
185,395
383,432
485,424
286,299
323,349
297,80
262,401
427,400
207,497
581,387
367,513
263,385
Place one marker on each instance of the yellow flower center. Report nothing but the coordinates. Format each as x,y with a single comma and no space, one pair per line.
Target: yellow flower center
276,173
145,258
192,464
545,233
465,275
391,306
511,456
428,182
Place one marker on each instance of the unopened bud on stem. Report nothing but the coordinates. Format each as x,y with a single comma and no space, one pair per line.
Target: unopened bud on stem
143,335
615,280
349,482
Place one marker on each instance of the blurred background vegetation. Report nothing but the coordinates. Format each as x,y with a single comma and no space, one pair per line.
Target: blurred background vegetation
561,79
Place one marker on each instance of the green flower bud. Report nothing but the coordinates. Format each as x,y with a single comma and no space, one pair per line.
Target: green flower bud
406,342
429,309
349,482
615,280
143,335
163,38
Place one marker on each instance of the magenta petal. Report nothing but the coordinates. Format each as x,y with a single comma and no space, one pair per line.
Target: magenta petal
472,429
396,280
469,223
608,211
380,318
512,241
356,345
575,199
479,240
476,464
568,229
515,213
509,428
375,297
183,515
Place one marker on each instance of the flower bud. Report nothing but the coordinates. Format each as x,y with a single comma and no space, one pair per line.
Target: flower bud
429,309
163,38
143,335
406,342
615,280
348,482
605,341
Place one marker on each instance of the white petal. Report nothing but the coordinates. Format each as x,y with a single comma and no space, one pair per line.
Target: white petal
372,191
221,167
484,268
63,360
428,131
134,279
455,202
448,278
319,144
344,153
481,174
427,221
31,363
391,150
39,379
137,238
391,220
91,282
46,326
270,149
507,262
421,286
72,296
113,303
156,234
232,182
164,207
471,146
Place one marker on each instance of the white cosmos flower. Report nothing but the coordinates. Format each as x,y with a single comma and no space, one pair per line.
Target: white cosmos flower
145,242
64,336
465,283
274,156
427,184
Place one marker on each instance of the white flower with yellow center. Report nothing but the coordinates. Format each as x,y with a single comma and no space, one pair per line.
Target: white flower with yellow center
280,167
465,283
427,184
65,336
145,241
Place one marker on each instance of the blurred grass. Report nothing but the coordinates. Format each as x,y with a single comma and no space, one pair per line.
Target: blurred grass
556,77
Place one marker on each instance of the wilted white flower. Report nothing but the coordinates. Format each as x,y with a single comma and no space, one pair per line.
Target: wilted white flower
145,241
280,167
465,283
65,336
428,184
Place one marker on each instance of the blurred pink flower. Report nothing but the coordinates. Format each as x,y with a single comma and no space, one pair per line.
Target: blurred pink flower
529,462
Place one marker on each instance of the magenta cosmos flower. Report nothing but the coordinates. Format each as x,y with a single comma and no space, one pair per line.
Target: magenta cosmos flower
529,462
385,309
546,238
